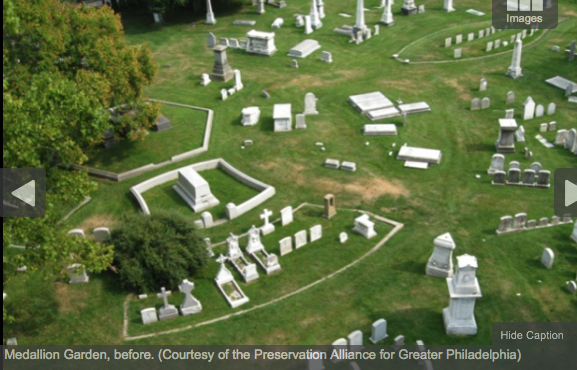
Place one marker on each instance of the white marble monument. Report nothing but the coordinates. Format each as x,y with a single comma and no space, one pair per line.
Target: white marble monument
194,189
440,263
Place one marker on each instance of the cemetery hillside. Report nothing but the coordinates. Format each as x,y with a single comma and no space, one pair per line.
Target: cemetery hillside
287,172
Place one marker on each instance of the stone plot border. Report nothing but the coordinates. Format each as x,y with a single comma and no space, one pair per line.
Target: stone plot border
397,56
153,166
232,211
397,226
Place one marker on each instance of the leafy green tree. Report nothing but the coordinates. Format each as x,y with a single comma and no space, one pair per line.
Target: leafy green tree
63,65
155,251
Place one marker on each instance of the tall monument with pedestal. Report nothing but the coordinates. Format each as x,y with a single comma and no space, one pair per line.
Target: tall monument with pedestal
210,19
360,22
315,16
387,18
464,290
221,71
448,6
515,68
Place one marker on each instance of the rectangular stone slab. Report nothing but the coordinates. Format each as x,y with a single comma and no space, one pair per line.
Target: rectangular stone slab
419,107
408,153
378,114
369,101
418,165
380,129
562,83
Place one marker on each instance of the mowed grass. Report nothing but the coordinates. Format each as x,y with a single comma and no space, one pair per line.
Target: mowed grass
391,283
186,134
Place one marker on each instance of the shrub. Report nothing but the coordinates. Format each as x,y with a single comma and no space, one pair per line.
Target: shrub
156,251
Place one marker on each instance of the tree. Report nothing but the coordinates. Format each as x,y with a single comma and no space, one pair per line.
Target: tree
63,65
156,251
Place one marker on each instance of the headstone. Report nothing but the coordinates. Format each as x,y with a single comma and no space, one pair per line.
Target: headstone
364,226
234,44
330,206
343,237
210,40
77,274
505,224
553,126
76,232
101,234
539,111
448,42
209,247
301,123
519,222
499,178
528,109
316,233
510,97
207,220
514,176
190,305
326,57
483,84
536,166
471,36
315,364
528,177
300,21
308,25
294,63
421,9
377,29
506,141
459,39
399,340
282,116
286,246
489,46
497,164
277,23
268,227
481,34
448,7
310,104
572,287
379,331
260,7
440,263
531,224
560,137
547,258
457,53
355,341
475,104
497,44
261,43
300,239
509,113
551,109
204,79
485,103
148,316
167,311
224,41
210,19
250,116
555,220
544,178
286,215
265,94
543,222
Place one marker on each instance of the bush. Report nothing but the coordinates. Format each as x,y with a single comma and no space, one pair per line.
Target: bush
156,251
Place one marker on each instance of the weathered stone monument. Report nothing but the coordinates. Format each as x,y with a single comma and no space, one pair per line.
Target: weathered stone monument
315,16
409,7
528,108
360,26
548,258
261,43
268,227
379,331
282,117
210,19
387,18
364,226
190,305
221,71
464,289
506,141
194,189
440,263
167,311
77,274
310,104
515,68
448,7
330,207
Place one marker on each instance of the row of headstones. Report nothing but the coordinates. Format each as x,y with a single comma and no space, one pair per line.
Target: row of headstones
326,57
568,139
531,110
189,306
354,341
470,37
231,43
512,224
300,239
336,164
514,178
498,164
76,273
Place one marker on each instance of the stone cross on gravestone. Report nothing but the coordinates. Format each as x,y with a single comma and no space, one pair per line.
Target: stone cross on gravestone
265,216
164,294
267,227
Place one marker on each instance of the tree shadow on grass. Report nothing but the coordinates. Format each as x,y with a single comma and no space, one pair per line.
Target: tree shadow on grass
413,267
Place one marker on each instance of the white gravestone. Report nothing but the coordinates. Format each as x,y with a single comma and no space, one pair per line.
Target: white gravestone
286,215
300,239
364,226
238,85
149,316
464,290
205,79
210,40
310,104
548,258
167,311
483,84
190,305
510,97
343,237
300,121
515,70
250,116
440,263
528,109
379,331
76,232
223,94
539,110
101,234
327,57
282,117
77,274
316,232
286,246
497,164
268,227
355,340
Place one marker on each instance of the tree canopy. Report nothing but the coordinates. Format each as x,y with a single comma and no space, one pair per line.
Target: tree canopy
63,66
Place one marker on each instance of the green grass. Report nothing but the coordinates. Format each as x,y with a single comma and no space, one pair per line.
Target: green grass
187,132
391,283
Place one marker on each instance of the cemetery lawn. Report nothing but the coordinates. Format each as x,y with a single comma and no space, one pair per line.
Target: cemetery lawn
186,134
390,283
